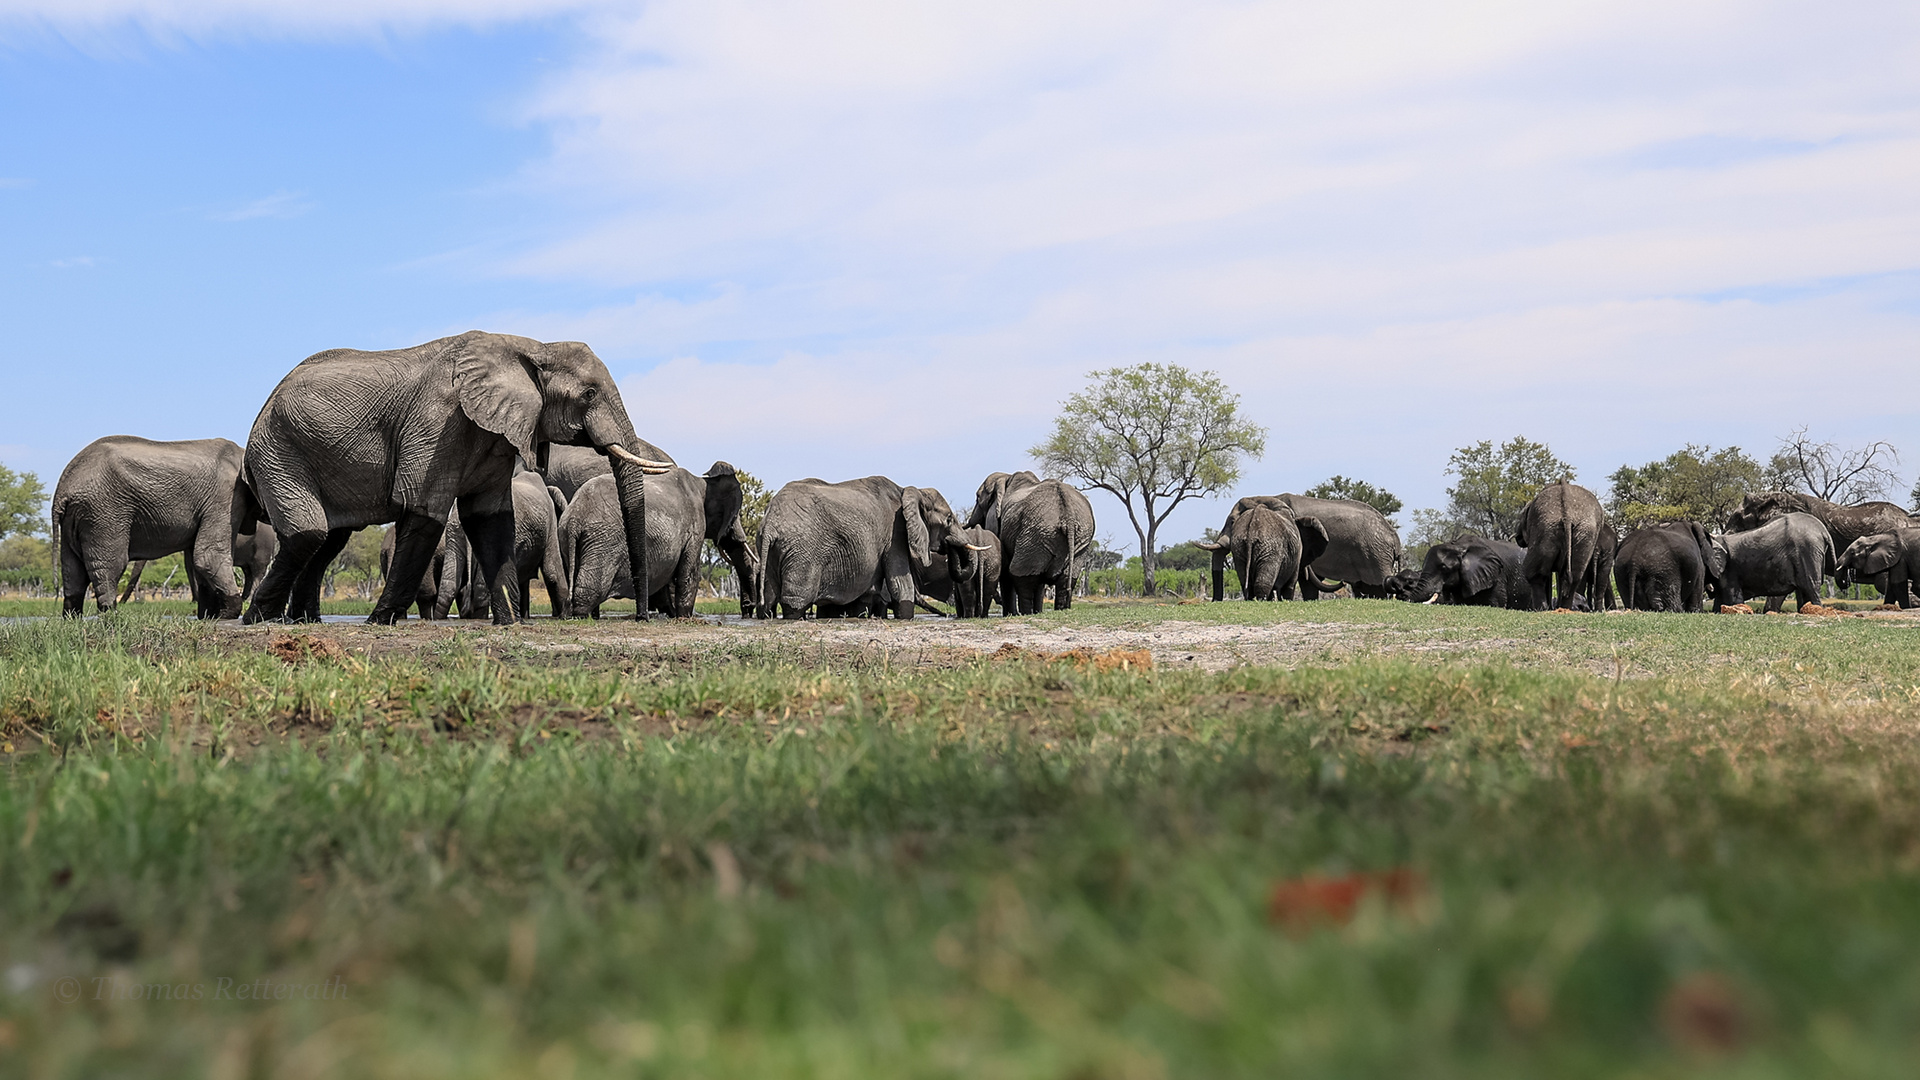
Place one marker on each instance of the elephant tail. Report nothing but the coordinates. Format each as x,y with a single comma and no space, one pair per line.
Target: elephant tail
1568,586
59,512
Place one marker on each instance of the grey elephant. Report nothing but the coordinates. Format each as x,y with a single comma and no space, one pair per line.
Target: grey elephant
684,511
1363,547
1562,528
1845,524
1268,545
126,498
252,552
975,574
854,547
1045,529
1475,570
1787,554
568,467
350,439
536,551
427,595
1667,567
1891,560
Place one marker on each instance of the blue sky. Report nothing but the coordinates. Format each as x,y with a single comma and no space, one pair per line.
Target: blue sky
840,238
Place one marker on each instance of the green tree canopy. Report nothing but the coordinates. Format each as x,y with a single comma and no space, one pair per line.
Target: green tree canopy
23,504
1495,484
1697,483
1339,487
1153,436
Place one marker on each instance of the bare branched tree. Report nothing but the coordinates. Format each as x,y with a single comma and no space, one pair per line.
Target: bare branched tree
1825,471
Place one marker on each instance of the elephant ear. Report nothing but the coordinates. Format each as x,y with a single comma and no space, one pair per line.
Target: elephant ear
1480,569
1711,557
1313,538
1525,529
916,526
1879,557
990,514
498,389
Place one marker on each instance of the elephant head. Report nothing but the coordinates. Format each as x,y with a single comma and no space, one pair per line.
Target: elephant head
931,524
1460,566
724,499
535,394
1866,557
991,498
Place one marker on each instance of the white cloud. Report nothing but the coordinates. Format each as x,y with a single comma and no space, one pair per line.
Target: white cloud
280,204
273,17
76,262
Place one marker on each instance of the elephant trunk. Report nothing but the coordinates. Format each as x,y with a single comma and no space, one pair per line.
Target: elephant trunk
1219,573
629,479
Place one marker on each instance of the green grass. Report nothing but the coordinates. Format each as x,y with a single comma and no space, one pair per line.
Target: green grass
714,854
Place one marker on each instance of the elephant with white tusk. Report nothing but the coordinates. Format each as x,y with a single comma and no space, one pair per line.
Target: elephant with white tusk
351,438
1046,532
853,548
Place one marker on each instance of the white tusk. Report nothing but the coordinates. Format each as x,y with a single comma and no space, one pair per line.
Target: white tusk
977,547
652,467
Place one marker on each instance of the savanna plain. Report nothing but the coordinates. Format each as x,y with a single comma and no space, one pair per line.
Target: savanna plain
1342,838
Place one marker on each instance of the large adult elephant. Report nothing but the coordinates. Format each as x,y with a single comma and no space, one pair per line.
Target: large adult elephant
1561,529
252,554
1268,545
124,497
1787,554
1046,531
351,438
1476,570
855,546
1845,524
684,511
1667,567
1363,548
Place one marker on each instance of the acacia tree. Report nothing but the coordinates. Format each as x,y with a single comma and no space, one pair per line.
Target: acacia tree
1153,436
1825,471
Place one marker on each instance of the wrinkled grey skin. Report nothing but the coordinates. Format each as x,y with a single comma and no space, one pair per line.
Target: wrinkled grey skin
689,510
351,439
975,575
1045,529
1268,545
536,550
1401,586
855,547
1472,569
570,466
1787,554
252,552
1845,524
1363,548
427,596
126,498
1891,560
1667,567
1561,530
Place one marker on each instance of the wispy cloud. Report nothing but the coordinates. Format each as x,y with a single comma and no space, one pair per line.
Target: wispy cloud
14,182
77,262
280,204
276,17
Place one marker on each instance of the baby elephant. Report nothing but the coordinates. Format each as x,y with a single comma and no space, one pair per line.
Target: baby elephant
1894,554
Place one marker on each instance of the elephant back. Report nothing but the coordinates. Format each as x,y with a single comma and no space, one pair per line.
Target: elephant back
1362,546
1047,530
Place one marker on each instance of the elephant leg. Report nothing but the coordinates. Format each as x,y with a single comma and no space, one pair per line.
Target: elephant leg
73,581
492,538
211,560
133,579
1062,593
791,611
415,536
289,562
305,606
523,600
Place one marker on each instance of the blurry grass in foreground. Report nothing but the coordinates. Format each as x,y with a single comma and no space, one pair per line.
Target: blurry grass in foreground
768,859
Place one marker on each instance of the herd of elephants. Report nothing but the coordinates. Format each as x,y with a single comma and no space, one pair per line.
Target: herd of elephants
496,458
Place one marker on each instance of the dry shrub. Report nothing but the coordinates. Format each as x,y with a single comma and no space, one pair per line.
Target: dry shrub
295,648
